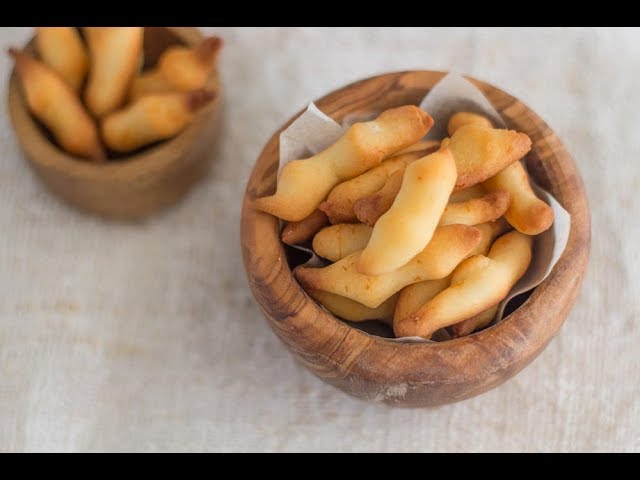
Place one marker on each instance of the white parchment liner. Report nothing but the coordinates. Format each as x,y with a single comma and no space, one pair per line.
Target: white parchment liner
313,131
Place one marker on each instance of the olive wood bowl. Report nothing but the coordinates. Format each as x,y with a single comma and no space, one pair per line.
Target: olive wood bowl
416,374
127,186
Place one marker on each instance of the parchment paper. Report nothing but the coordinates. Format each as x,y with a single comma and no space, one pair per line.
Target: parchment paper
314,131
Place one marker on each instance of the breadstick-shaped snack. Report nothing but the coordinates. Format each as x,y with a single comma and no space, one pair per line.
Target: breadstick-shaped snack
470,325
413,296
341,240
404,231
55,104
430,145
115,56
527,213
304,184
61,49
370,208
482,152
353,311
478,210
152,118
488,233
179,69
295,233
476,191
477,284
339,204
447,248
459,119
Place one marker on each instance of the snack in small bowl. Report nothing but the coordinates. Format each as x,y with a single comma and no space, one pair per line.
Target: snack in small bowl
442,249
93,126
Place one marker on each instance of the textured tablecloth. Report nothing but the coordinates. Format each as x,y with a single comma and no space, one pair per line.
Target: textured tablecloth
146,337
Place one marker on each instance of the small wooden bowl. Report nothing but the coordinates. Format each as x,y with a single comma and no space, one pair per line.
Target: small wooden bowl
422,374
132,186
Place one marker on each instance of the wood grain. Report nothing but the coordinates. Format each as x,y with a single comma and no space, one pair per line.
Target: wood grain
136,185
416,375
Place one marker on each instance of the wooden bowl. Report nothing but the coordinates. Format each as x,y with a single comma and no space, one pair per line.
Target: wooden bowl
130,186
422,374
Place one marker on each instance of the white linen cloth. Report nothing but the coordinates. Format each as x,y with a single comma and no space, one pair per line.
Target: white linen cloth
146,337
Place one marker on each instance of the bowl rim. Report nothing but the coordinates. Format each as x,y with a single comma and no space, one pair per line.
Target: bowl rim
500,350
147,162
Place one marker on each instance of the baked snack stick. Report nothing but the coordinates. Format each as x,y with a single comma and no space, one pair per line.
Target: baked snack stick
446,250
353,311
52,101
62,49
477,284
304,184
295,233
341,240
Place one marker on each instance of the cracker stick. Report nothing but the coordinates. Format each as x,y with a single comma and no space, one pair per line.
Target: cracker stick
339,204
413,296
61,48
482,152
459,119
341,240
477,284
295,233
304,184
353,311
152,118
489,232
115,56
478,210
447,248
431,145
527,213
407,227
370,208
470,325
179,69
55,104
469,193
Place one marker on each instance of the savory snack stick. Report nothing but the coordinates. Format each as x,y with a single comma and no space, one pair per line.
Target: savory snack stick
474,323
489,232
413,296
339,204
527,213
295,233
152,118
62,49
179,69
481,152
341,240
115,57
304,184
370,208
459,119
430,145
468,193
477,210
353,311
407,227
477,284
55,104
447,248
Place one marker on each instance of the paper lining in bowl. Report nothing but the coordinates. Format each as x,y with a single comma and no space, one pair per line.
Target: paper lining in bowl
313,131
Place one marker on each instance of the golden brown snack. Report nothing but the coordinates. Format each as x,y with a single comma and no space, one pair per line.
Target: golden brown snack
353,311
430,145
413,296
370,208
115,56
295,233
459,119
527,213
489,232
62,49
469,193
179,69
477,284
339,204
470,325
341,240
447,248
152,118
482,152
55,104
304,184
407,227
478,210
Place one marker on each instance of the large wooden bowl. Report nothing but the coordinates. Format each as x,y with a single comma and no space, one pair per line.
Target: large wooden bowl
132,186
423,374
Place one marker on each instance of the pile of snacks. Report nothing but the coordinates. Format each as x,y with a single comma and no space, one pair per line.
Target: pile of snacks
426,236
88,91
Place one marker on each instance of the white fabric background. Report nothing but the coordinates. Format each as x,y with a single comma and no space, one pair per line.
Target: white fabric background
146,337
